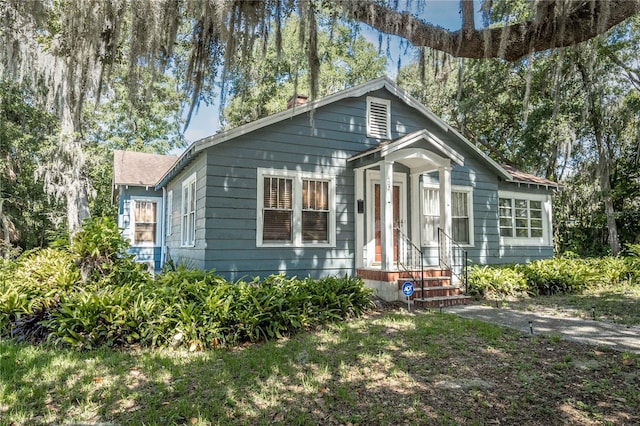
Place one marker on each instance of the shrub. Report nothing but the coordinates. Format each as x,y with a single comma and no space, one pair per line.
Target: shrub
490,281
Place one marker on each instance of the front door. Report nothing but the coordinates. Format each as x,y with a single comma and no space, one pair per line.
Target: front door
396,219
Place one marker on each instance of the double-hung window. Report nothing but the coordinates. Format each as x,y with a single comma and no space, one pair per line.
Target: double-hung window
523,218
188,211
295,209
169,213
144,223
461,215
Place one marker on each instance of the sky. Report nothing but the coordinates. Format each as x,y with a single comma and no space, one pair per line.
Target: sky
445,13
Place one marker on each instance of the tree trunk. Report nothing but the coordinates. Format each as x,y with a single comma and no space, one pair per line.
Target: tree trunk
596,119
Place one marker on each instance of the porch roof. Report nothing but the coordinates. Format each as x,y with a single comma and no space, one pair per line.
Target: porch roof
432,142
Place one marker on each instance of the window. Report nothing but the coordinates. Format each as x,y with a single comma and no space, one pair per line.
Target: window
144,223
188,223
522,217
461,215
295,209
378,118
278,209
431,215
169,212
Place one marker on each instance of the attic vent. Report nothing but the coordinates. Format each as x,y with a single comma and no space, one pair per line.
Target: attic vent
378,118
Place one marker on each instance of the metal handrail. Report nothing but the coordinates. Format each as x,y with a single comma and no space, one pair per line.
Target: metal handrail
409,246
443,240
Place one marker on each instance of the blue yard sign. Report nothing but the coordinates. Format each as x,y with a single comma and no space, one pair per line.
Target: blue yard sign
407,288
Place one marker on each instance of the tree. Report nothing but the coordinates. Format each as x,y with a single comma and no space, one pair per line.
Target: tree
26,213
347,59
64,50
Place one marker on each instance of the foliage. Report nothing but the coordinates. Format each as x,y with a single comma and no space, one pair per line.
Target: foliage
26,213
489,281
263,87
561,275
109,300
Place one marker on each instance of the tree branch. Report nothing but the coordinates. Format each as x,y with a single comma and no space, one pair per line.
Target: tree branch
582,21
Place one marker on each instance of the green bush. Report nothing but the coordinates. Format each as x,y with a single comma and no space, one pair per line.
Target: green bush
33,282
491,281
550,276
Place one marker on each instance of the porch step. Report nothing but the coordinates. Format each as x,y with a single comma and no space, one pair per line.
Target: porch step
439,281
437,291
444,301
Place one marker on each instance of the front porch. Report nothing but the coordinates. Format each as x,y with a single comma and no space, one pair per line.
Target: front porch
401,233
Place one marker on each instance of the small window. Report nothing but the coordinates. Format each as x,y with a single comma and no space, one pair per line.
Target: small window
188,222
378,118
144,227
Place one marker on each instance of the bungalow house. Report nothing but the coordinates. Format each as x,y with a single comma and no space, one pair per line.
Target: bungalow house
364,182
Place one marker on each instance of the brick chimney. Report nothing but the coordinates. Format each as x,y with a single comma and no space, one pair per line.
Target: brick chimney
297,100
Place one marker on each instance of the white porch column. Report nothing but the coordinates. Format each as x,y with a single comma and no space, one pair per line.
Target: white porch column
386,214
444,174
359,217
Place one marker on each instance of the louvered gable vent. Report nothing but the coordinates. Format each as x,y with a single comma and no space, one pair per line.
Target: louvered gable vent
378,118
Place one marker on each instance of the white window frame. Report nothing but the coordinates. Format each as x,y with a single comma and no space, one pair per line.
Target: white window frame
468,190
370,132
169,213
423,240
547,231
296,222
188,217
132,221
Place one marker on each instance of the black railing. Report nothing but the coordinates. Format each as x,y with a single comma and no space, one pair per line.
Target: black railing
409,257
452,256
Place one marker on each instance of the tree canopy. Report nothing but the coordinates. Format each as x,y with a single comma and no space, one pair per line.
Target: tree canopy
65,52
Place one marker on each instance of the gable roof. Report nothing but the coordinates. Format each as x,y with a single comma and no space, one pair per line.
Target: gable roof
139,168
383,82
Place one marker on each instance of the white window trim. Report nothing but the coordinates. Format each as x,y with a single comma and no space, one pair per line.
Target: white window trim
547,231
185,189
296,222
132,221
454,188
371,99
423,241
169,221
469,191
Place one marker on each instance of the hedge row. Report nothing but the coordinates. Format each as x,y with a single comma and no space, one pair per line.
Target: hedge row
554,276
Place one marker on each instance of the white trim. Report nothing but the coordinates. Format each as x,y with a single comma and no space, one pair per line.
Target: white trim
185,202
169,221
385,103
372,177
454,188
132,220
547,230
360,223
297,178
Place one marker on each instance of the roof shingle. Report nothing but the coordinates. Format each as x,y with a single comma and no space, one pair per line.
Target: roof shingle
139,168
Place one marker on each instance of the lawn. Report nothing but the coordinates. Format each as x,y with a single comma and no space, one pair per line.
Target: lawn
391,367
619,303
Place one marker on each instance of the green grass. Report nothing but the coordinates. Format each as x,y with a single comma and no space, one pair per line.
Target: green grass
619,304
390,368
